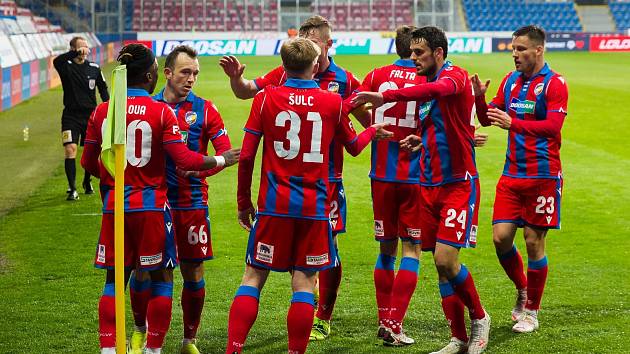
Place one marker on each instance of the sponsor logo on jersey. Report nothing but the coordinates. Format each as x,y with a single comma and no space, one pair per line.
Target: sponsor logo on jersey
378,228
333,86
151,260
92,84
264,252
539,89
424,110
101,254
184,136
317,260
522,107
190,117
414,233
473,233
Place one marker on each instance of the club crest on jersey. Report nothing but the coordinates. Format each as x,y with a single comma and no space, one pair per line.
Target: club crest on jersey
92,84
522,107
190,117
333,86
264,252
539,89
378,228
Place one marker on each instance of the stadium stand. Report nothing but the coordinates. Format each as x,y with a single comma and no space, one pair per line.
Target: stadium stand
485,15
620,11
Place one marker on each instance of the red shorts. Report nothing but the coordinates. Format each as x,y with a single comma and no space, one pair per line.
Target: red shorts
338,210
528,201
396,211
149,241
192,232
284,243
448,214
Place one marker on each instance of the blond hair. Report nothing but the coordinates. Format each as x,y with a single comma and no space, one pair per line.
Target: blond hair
298,54
316,23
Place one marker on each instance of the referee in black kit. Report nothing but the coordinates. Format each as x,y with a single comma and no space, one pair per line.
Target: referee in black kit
79,79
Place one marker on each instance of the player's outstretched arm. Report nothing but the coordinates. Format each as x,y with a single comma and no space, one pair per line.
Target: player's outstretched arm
188,160
421,93
242,88
373,132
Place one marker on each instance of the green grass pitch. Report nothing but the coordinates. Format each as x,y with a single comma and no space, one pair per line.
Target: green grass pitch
49,289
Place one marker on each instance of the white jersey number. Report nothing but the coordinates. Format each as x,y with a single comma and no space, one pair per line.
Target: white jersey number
293,137
146,136
410,115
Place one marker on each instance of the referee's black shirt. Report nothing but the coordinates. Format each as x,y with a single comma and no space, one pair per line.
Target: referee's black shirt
79,83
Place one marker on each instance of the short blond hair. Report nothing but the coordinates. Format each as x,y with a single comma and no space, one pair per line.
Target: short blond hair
298,54
316,23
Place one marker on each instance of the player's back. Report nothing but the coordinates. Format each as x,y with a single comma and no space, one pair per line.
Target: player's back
150,124
448,130
389,162
298,122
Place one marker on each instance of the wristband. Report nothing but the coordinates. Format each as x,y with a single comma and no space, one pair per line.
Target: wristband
220,161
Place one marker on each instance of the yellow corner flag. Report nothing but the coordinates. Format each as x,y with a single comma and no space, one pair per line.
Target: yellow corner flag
115,160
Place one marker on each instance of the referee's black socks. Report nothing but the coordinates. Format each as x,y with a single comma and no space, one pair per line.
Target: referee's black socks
71,173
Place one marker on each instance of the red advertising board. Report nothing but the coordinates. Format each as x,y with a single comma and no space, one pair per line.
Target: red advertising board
16,84
610,43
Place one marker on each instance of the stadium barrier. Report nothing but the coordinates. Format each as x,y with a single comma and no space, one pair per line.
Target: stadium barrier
26,66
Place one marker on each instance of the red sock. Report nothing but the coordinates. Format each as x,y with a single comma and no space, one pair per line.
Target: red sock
140,294
243,314
383,283
536,279
159,313
404,286
464,286
300,321
329,281
453,309
107,317
512,263
193,296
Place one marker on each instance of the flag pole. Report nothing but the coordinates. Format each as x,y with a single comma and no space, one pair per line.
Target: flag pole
119,247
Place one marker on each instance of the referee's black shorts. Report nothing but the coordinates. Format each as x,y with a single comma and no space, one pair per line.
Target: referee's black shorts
74,126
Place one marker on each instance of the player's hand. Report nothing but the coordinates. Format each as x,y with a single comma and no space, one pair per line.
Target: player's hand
246,217
231,156
500,119
480,139
381,133
232,67
186,174
374,98
411,143
479,87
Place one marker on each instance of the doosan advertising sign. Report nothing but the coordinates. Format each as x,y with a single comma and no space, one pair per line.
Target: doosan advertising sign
208,47
469,45
610,44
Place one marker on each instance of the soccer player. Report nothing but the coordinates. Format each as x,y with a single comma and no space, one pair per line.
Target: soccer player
531,104
449,192
152,132
199,123
79,79
335,79
395,174
291,229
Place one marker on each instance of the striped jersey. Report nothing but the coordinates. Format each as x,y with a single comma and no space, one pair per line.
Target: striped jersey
297,121
199,123
150,125
530,99
448,132
334,79
390,163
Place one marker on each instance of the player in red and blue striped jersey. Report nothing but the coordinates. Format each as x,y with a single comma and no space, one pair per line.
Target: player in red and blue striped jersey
200,124
152,134
449,193
531,104
332,78
395,173
291,230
